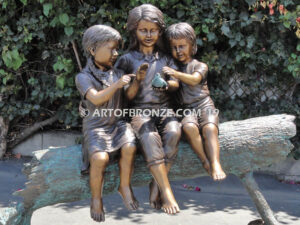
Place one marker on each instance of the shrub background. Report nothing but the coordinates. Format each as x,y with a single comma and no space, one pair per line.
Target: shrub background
252,49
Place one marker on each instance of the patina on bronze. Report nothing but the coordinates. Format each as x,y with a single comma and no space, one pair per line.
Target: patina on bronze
194,94
159,135
101,87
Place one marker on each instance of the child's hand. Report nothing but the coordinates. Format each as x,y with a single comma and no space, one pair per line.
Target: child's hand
125,79
169,71
163,89
141,72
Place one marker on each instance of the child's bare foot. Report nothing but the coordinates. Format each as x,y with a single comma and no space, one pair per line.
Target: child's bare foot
154,197
169,205
97,212
128,198
217,172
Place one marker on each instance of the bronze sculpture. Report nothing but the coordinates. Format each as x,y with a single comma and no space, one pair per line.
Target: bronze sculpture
194,94
100,87
159,135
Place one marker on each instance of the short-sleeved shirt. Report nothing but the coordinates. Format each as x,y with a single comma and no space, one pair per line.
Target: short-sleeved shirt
146,96
91,77
190,95
103,130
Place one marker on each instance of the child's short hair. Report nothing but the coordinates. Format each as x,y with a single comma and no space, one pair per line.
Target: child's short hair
182,31
146,12
97,35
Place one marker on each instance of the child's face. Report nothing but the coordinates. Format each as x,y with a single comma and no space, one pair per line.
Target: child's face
106,55
147,33
181,50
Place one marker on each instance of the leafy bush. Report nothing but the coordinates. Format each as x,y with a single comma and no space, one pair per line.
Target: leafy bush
256,42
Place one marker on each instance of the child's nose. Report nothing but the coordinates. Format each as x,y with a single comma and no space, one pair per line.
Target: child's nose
115,53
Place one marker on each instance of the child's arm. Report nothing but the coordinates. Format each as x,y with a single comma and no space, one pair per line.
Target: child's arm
173,85
190,79
132,90
100,97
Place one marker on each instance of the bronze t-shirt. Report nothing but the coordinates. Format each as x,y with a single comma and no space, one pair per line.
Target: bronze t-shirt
193,95
146,96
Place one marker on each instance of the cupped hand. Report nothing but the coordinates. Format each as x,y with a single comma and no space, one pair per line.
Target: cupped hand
169,71
162,89
125,79
142,71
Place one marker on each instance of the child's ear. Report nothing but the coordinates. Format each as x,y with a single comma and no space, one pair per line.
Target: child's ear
160,32
92,51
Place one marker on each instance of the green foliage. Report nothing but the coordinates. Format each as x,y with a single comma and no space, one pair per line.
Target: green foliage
38,64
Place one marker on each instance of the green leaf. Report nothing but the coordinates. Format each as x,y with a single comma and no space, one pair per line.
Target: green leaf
17,63
64,18
294,56
238,58
225,29
54,22
211,36
238,36
250,41
60,82
205,28
232,42
287,24
15,53
180,13
298,47
46,8
13,59
58,66
68,31
244,16
199,42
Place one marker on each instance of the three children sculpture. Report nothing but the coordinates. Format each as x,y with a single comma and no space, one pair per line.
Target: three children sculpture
103,85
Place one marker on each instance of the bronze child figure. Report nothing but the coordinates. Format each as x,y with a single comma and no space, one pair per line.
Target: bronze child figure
158,135
101,88
194,94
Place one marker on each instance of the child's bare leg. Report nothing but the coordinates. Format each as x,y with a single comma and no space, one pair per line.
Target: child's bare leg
154,197
193,136
212,148
126,164
99,161
171,136
159,173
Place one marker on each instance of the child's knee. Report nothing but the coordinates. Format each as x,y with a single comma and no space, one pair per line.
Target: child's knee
128,149
99,159
190,129
209,130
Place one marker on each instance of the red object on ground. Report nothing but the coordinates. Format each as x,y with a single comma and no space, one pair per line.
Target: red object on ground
197,189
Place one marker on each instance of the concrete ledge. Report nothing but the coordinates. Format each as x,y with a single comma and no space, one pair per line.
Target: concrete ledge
287,170
45,140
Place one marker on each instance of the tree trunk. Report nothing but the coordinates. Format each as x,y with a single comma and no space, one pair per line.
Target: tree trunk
3,132
54,174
